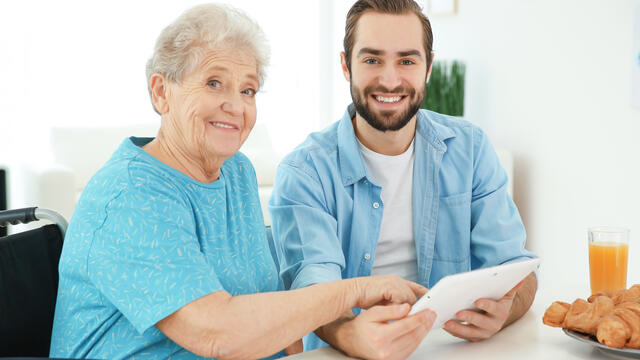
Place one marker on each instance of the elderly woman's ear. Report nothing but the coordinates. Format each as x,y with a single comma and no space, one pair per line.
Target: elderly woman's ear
158,84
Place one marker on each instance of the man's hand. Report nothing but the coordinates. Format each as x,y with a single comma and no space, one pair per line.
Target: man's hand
485,323
371,336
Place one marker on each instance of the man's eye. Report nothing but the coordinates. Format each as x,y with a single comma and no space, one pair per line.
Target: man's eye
371,61
250,92
406,62
214,83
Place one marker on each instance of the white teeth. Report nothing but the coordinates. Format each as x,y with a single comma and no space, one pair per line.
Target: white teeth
388,99
222,125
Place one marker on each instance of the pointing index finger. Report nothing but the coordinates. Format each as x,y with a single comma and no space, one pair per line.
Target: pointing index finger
417,289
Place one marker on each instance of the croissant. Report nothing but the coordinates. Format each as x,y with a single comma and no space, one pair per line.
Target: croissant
616,296
633,320
632,295
555,314
584,316
620,296
621,328
613,317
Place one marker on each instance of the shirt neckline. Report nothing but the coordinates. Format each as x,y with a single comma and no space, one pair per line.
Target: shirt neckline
136,143
403,156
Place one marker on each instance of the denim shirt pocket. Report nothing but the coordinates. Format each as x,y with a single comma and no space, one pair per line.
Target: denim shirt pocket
453,232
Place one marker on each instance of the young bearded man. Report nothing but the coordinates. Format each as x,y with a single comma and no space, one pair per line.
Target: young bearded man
391,189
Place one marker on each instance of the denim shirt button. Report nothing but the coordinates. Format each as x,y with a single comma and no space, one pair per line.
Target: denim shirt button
367,256
376,205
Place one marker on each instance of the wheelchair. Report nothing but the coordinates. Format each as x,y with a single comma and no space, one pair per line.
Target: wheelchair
29,282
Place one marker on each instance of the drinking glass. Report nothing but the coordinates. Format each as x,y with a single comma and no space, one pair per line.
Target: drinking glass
608,256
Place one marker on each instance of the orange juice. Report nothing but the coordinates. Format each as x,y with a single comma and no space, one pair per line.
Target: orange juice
608,266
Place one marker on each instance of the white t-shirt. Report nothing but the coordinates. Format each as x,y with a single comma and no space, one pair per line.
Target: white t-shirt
396,250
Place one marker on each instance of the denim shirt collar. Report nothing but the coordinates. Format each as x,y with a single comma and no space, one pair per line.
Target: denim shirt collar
352,166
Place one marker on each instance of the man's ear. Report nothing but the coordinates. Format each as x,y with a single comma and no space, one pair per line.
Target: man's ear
158,85
430,68
345,69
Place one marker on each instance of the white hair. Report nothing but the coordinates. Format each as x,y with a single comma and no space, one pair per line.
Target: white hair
182,44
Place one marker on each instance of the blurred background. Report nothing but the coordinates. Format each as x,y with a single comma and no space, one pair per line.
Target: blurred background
556,83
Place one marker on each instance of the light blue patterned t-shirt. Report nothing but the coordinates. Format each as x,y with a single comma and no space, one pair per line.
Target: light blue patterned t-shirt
145,240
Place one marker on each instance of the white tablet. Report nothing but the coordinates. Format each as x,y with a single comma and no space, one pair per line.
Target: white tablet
460,291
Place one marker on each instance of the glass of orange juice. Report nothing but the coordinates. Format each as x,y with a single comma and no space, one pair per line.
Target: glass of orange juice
608,255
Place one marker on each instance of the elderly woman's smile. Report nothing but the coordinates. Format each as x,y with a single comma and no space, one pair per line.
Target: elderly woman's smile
222,125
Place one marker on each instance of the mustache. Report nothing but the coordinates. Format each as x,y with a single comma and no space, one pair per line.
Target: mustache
400,89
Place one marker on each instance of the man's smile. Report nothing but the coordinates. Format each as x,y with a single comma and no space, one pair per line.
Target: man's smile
388,101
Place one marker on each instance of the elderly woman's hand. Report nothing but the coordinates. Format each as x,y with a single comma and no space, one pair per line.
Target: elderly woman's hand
387,289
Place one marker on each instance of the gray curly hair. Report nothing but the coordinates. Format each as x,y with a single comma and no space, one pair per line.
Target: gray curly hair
182,44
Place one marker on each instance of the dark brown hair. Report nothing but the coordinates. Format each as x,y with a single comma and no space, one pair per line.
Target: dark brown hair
396,7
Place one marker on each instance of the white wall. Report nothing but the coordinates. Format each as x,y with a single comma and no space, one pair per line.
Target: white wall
551,81
81,63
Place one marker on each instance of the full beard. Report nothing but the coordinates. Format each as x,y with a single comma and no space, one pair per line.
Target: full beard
385,120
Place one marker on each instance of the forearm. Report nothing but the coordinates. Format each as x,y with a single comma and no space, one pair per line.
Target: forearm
523,299
330,332
257,325
251,326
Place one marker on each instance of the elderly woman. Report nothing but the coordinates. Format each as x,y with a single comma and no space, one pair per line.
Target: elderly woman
166,254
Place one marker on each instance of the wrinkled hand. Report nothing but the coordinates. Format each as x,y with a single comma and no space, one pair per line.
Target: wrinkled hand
479,325
371,336
387,289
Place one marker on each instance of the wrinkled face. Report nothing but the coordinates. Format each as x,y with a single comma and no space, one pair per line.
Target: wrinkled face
213,109
388,69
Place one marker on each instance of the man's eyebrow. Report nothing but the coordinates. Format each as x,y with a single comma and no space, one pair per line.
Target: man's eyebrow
370,51
409,53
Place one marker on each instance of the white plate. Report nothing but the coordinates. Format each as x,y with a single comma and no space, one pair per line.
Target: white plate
623,353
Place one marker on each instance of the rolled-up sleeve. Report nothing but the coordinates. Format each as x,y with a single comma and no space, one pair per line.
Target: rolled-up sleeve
304,230
497,232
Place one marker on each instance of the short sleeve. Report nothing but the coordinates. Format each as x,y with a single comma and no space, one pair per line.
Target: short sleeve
146,258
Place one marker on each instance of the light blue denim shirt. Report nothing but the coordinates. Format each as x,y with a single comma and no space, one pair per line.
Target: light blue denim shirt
326,209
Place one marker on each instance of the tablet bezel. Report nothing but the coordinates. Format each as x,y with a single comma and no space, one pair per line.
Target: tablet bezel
446,300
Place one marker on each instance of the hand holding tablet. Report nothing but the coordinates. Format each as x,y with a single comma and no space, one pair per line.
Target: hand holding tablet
460,291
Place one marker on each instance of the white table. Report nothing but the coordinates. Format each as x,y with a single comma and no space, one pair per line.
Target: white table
527,338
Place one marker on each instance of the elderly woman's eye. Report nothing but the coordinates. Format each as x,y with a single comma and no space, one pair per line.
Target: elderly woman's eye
214,83
250,92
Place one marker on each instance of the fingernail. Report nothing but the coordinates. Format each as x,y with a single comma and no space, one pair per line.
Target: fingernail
431,316
448,325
